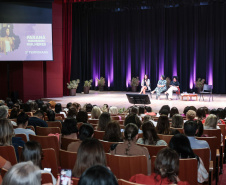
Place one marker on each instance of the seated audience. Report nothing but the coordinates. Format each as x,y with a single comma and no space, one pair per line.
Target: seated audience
69,128
186,109
133,118
105,108
129,147
3,112
104,119
37,120
58,110
68,106
149,118
22,122
149,111
32,151
27,107
166,170
181,145
173,111
113,110
90,153
141,110
166,111
10,104
98,175
221,116
51,115
25,173
44,108
6,136
72,112
177,121
150,136
190,115
201,114
163,126
190,129
14,113
82,116
199,132
113,132
96,112
88,107
85,131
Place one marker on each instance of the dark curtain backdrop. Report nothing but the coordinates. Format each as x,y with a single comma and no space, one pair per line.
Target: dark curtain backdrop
120,40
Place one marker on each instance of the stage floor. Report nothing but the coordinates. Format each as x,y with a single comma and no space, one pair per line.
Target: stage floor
119,99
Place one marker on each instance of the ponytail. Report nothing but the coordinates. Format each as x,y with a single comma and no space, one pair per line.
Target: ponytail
131,131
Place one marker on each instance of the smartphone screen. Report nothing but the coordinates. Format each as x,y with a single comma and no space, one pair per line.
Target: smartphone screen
65,177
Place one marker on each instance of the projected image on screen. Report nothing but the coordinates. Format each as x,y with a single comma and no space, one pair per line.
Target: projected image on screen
25,42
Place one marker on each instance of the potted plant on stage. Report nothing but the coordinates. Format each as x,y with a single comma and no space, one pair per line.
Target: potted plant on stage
101,83
72,86
199,84
87,85
134,83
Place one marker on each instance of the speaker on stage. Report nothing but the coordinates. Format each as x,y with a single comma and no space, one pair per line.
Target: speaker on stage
138,98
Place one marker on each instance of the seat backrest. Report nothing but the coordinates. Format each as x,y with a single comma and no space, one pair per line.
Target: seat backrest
167,138
213,147
45,131
30,127
66,141
93,121
115,118
54,124
212,133
47,142
99,134
184,174
67,159
47,178
22,136
49,160
3,172
124,182
8,153
124,167
181,130
107,145
75,181
204,154
60,115
207,88
153,149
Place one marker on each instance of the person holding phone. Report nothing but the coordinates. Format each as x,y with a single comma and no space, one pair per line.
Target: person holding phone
145,84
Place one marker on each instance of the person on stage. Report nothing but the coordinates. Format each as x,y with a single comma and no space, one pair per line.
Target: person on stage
174,85
161,87
145,84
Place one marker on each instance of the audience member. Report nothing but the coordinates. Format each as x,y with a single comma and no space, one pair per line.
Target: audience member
90,153
149,111
150,136
190,115
25,173
32,151
129,147
14,113
88,107
173,111
181,145
177,121
85,131
163,126
44,108
113,110
221,116
104,119
190,129
82,116
166,170
98,175
69,128
72,112
27,107
133,118
113,132
6,136
22,122
67,107
51,115
3,112
201,114
58,110
96,112
37,120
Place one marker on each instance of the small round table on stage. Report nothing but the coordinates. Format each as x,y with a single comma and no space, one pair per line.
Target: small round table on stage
189,96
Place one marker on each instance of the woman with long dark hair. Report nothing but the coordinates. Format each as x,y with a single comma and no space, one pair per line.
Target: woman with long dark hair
145,84
181,144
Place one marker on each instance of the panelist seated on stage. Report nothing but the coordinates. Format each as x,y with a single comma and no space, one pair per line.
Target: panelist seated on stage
174,85
145,84
161,87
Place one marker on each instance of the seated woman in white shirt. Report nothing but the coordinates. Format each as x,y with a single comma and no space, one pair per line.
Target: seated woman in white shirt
174,85
145,84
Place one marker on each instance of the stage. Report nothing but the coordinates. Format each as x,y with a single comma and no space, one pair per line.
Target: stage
119,99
